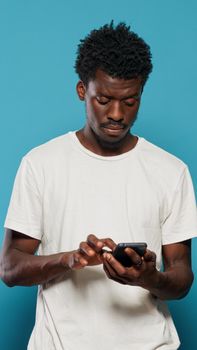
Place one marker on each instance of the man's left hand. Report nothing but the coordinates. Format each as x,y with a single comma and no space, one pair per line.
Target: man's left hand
142,272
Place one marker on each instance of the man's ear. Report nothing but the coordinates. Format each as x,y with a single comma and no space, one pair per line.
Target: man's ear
81,90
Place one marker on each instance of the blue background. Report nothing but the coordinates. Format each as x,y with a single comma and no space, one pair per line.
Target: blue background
38,41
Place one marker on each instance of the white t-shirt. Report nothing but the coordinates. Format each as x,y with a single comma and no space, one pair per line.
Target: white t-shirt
62,193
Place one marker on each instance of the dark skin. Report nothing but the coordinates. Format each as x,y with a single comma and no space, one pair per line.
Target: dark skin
111,107
19,265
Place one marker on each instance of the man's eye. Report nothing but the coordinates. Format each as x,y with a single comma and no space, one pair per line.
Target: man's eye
130,102
102,101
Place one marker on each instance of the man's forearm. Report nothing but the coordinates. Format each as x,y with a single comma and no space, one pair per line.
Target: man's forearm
22,269
174,283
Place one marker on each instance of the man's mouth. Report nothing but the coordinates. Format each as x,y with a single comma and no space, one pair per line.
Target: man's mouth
114,127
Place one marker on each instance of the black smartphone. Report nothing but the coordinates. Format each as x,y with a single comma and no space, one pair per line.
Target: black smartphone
122,257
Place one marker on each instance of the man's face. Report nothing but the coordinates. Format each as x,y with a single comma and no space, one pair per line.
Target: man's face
111,106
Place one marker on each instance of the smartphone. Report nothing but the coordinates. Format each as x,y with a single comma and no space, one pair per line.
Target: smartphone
122,257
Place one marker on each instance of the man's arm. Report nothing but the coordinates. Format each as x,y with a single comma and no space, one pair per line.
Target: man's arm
19,265
173,283
176,280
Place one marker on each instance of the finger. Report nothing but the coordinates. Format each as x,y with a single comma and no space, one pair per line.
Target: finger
78,261
119,273
150,256
109,269
109,243
85,249
115,265
135,258
111,274
95,243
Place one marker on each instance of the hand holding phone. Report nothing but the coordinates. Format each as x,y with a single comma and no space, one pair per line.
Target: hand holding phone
120,255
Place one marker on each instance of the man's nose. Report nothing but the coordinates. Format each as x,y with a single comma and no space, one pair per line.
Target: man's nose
116,112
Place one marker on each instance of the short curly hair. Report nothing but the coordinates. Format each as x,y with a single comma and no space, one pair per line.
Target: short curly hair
118,51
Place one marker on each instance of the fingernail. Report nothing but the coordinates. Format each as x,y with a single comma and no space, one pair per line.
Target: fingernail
106,256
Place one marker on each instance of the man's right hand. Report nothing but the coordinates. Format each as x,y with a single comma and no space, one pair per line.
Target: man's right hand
20,267
89,253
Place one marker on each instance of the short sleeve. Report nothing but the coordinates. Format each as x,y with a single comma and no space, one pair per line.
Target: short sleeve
181,223
25,209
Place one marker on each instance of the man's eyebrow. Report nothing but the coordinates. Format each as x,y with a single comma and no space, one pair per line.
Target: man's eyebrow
135,95
104,95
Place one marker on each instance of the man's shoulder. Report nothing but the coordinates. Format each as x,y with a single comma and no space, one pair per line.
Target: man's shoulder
52,147
50,152
160,158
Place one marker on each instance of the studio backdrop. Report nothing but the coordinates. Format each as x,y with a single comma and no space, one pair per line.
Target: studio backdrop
39,102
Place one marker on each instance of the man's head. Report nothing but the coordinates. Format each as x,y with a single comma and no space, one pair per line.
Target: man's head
113,65
117,51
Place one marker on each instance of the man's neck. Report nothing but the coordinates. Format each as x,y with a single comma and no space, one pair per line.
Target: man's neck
103,148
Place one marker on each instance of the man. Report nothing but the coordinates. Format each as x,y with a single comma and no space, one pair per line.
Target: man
102,181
